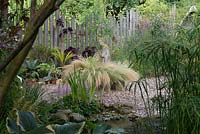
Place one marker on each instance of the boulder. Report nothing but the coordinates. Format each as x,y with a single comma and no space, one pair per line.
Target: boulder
61,116
76,117
66,112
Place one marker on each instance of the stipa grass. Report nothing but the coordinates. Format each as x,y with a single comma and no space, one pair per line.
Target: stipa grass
104,75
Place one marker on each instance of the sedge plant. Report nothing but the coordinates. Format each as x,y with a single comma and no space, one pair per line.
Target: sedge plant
176,57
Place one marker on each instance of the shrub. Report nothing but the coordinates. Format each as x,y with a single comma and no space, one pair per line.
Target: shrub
42,53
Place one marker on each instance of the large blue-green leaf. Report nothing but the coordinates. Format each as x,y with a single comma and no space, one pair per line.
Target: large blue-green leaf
69,128
100,129
42,130
26,121
12,126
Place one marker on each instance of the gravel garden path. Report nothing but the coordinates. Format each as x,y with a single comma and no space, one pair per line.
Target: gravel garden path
132,99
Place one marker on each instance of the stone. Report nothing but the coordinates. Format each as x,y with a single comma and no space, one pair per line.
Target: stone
76,117
59,118
66,112
106,105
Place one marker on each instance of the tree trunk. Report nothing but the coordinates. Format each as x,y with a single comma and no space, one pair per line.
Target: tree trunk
3,12
13,68
33,9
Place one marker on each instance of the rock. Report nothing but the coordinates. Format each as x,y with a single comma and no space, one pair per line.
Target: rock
126,110
59,118
76,117
66,112
106,105
132,117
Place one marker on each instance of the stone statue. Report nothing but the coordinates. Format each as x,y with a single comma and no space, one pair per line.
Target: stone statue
105,52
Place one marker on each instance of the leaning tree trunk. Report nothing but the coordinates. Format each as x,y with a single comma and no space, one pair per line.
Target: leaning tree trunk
13,68
14,62
3,12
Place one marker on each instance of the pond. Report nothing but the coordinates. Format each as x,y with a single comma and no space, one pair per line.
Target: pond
139,126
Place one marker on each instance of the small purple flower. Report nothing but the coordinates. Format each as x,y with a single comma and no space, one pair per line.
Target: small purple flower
64,89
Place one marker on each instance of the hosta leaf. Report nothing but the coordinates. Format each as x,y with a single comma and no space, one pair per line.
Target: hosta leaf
42,130
100,129
116,131
26,120
69,128
12,126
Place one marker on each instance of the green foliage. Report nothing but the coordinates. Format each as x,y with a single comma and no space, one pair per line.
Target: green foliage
86,109
2,55
25,123
119,53
175,57
33,70
30,69
45,69
100,129
152,8
82,9
118,7
79,90
41,53
15,92
45,109
62,57
69,128
29,98
101,75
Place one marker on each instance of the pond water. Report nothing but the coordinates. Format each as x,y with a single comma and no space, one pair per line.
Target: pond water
139,126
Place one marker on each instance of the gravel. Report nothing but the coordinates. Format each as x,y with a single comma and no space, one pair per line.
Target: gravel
131,98
135,97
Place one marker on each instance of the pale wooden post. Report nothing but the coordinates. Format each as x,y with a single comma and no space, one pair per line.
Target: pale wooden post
51,31
86,32
131,22
74,31
121,30
127,23
57,30
40,36
46,32
77,36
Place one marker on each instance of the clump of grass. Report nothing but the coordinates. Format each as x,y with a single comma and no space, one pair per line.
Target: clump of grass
104,75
